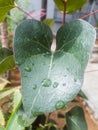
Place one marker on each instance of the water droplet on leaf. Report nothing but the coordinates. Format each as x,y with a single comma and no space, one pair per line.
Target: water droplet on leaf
34,86
46,82
28,69
60,105
55,84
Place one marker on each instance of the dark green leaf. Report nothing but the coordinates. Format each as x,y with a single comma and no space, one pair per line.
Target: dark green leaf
71,6
5,7
75,119
50,80
49,22
82,94
4,52
65,128
7,64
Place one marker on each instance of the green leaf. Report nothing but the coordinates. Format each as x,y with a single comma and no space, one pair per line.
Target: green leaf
71,5
12,123
6,60
23,118
6,92
2,120
7,64
5,7
1,128
82,94
75,119
4,52
50,80
3,83
49,22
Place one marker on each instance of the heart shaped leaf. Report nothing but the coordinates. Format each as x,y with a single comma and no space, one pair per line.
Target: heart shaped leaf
71,6
51,79
5,7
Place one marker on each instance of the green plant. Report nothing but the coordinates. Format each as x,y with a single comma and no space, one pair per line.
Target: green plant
51,78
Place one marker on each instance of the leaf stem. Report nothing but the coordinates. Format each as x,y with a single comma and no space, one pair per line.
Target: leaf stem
25,12
64,12
87,15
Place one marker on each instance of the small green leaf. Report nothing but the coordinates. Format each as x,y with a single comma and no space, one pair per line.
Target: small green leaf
71,5
50,80
3,83
75,119
2,120
12,123
4,52
49,22
7,64
5,7
82,94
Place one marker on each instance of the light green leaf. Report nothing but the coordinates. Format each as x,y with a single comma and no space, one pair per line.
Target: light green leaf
49,22
50,80
71,5
5,92
76,119
1,128
7,64
3,83
12,123
5,7
2,120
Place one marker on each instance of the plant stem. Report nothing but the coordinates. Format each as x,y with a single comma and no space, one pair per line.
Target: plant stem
64,12
4,34
87,15
25,12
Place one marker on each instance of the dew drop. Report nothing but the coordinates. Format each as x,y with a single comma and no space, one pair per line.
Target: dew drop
46,83
55,84
60,105
64,84
28,69
34,86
